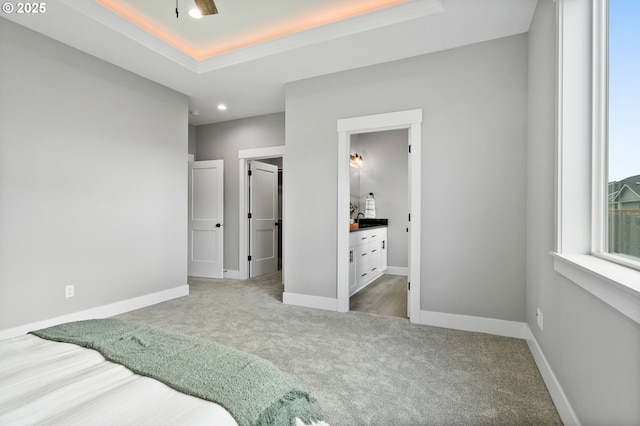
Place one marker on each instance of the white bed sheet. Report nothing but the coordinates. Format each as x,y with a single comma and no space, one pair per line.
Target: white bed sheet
43,382
50,383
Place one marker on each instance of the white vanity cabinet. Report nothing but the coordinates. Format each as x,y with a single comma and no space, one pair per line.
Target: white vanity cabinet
367,257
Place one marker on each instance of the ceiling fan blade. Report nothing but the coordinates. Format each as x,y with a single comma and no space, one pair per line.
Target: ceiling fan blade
207,7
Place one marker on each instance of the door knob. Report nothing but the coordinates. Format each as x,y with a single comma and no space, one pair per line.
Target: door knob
218,225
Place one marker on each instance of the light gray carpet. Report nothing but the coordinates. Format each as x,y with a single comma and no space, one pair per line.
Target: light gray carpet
366,369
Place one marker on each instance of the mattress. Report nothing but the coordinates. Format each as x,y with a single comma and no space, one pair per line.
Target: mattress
43,382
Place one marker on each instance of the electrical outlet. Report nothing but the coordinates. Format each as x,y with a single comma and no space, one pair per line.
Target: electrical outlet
540,319
68,291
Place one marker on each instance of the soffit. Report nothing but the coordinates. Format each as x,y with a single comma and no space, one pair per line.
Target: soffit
247,53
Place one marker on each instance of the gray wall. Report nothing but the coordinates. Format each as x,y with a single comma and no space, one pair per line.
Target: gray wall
474,102
222,141
386,175
593,349
93,181
192,139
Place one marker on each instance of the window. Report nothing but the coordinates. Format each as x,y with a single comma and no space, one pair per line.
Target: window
588,147
617,131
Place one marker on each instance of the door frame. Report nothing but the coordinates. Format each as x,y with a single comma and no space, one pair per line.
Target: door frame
244,155
411,120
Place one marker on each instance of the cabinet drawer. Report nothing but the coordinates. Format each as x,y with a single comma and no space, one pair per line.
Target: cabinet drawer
365,236
376,234
374,258
359,237
363,274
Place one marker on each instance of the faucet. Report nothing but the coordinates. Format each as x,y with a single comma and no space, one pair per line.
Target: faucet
358,216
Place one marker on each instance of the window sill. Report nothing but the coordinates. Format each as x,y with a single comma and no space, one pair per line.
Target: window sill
616,285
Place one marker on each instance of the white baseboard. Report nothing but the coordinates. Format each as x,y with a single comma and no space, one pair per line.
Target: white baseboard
558,396
318,302
100,311
469,323
397,270
232,274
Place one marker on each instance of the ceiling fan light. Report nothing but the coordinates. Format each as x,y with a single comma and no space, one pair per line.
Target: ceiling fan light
195,13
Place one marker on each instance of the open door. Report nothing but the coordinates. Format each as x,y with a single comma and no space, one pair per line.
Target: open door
263,218
205,218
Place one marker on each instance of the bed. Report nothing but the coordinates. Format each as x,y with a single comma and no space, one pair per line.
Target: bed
109,371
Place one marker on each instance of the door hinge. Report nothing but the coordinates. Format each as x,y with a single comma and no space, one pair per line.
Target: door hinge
409,217
249,173
409,149
409,285
249,258
249,215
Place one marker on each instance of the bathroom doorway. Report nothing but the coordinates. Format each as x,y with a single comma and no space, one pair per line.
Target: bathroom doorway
411,120
386,296
382,173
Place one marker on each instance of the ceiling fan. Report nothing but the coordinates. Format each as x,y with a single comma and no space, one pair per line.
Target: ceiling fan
206,7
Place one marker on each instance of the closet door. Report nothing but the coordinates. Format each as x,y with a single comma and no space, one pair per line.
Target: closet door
206,209
263,210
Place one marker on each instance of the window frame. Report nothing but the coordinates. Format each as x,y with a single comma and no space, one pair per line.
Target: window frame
582,67
600,127
600,227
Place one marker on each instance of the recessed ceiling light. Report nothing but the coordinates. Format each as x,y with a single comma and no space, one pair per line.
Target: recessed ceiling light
195,13
222,107
194,113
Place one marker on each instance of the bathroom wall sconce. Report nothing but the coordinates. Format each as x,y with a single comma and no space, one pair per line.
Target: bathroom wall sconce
356,161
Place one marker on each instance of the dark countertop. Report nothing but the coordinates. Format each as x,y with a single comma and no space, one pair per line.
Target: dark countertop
368,227
371,223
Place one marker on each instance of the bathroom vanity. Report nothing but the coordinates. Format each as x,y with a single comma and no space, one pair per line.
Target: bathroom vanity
367,255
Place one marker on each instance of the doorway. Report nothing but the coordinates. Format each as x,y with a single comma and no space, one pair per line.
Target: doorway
275,154
411,120
382,173
386,296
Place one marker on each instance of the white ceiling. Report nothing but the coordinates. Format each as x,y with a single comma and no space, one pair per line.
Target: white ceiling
249,75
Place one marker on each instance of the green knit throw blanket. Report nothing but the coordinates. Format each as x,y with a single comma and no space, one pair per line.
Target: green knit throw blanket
253,390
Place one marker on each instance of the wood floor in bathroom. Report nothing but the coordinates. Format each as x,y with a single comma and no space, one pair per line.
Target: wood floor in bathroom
385,296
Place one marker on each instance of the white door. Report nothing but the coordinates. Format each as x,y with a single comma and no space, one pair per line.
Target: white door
263,218
205,218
